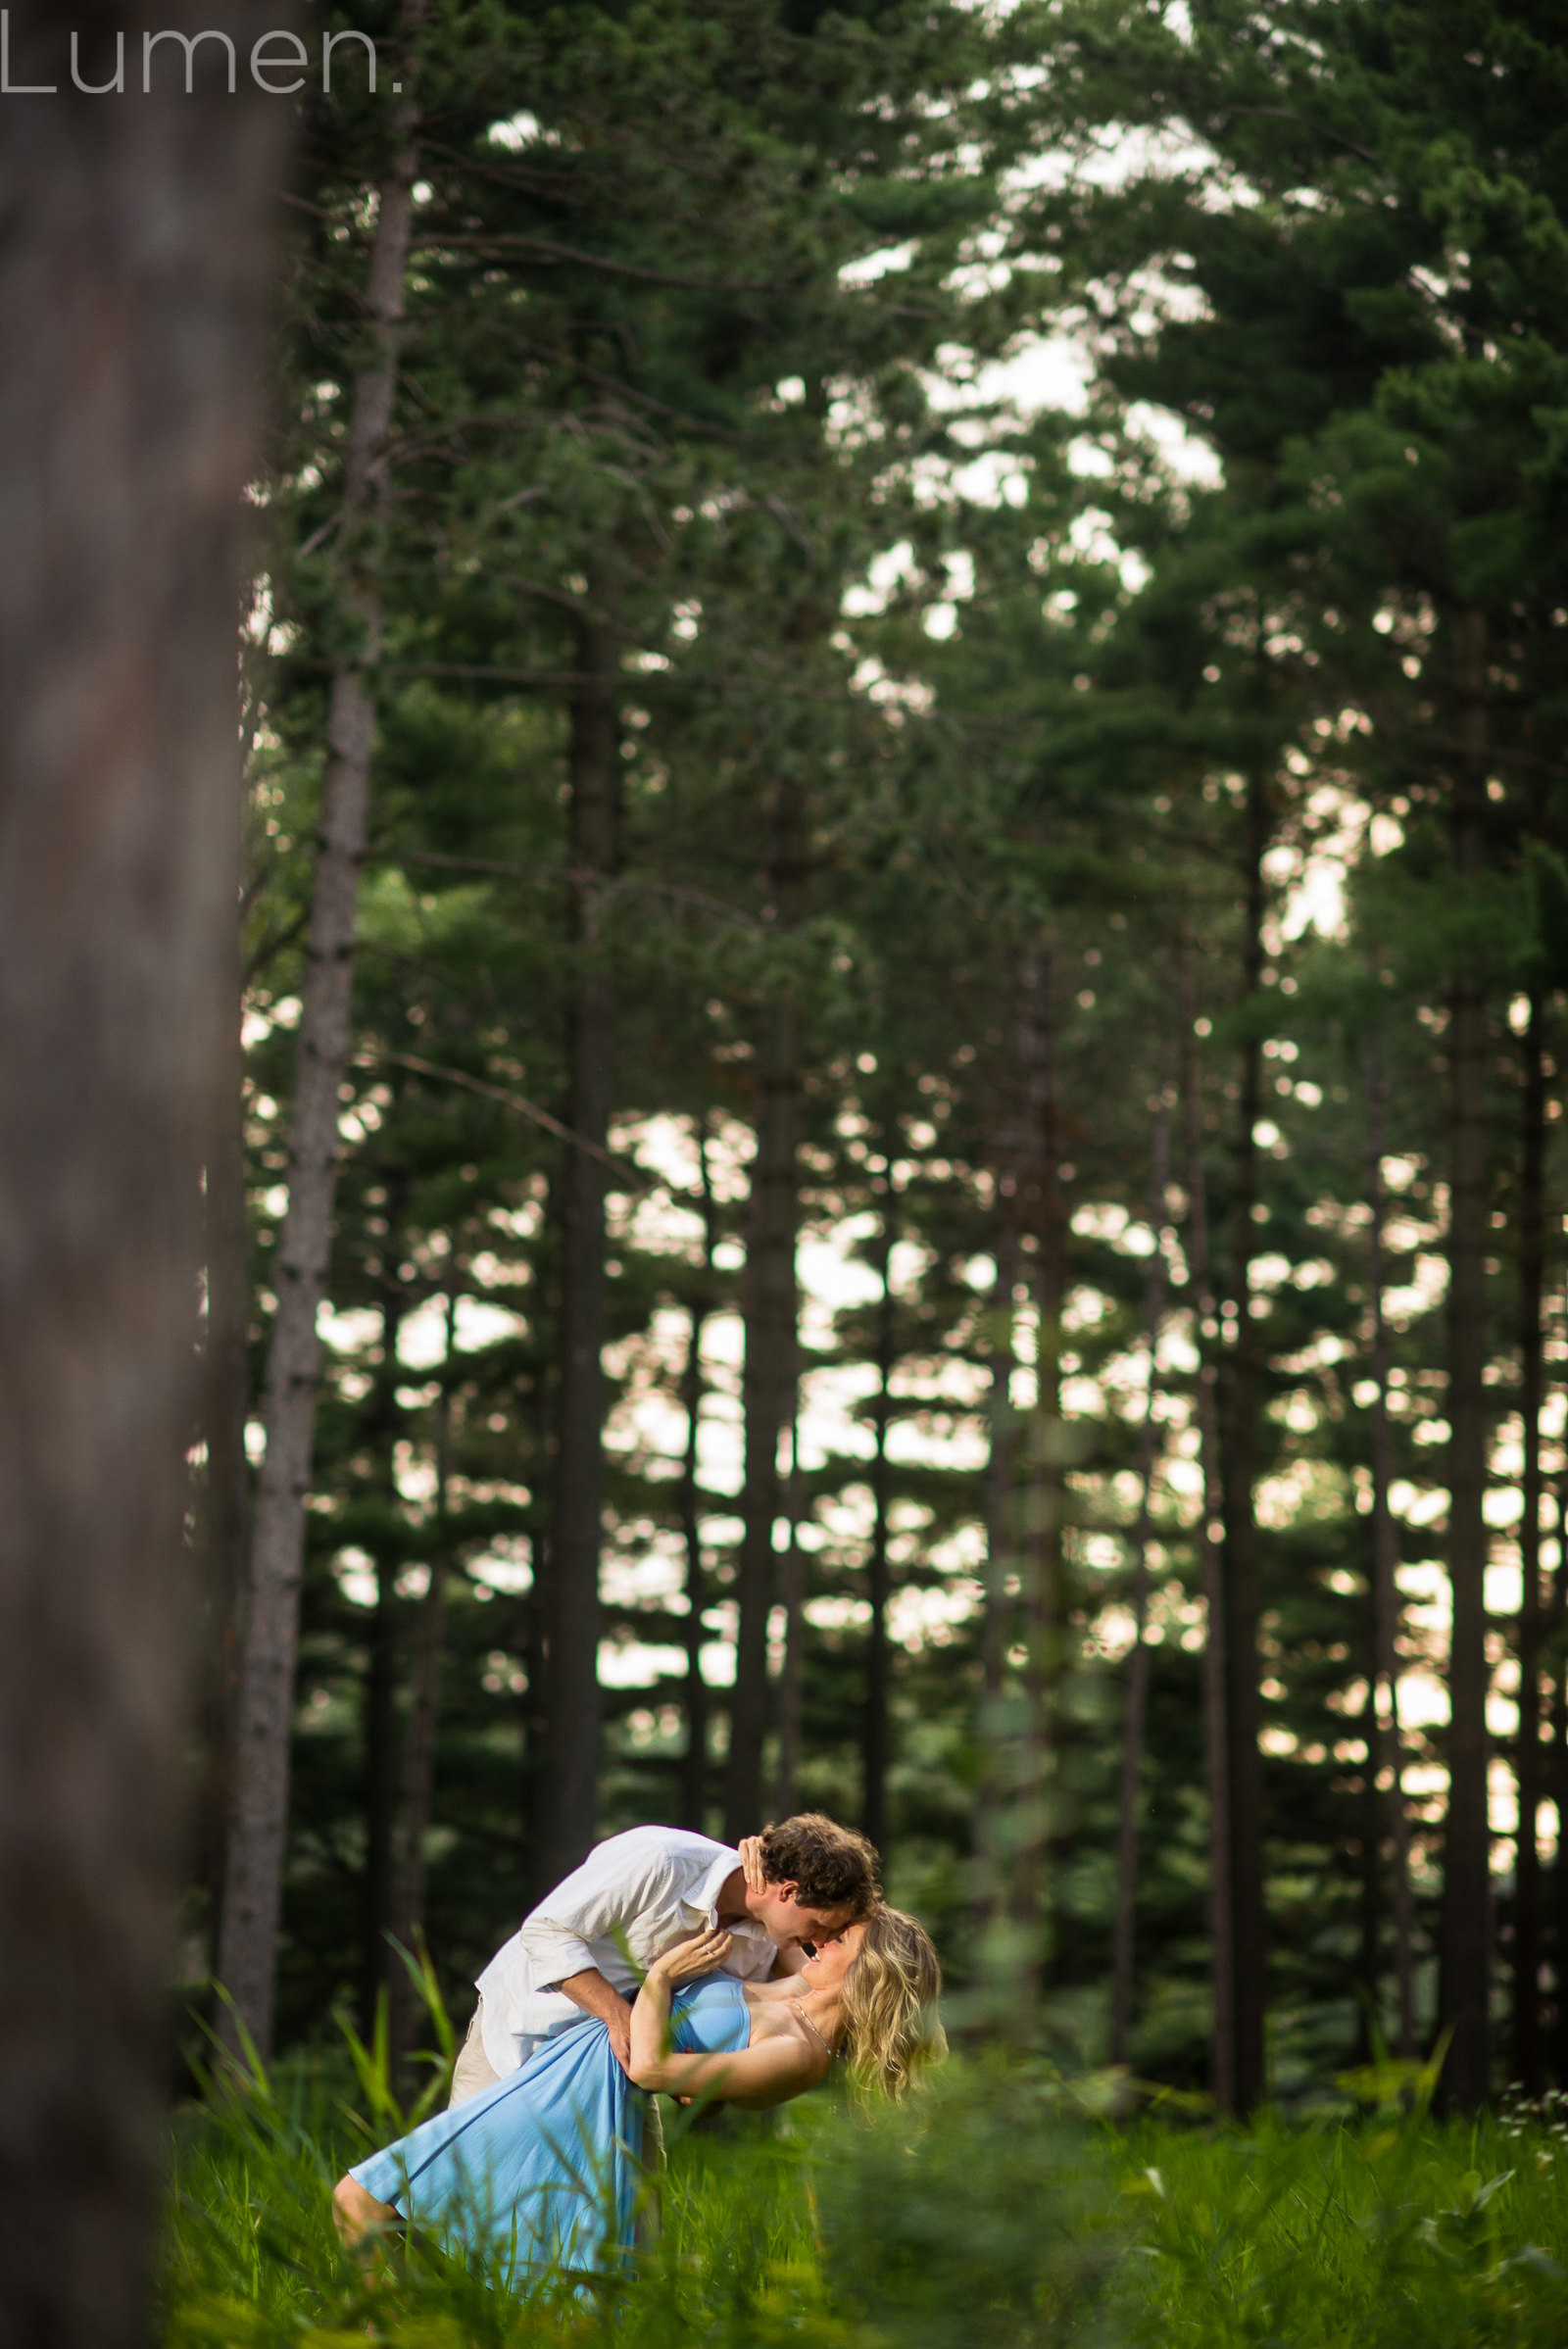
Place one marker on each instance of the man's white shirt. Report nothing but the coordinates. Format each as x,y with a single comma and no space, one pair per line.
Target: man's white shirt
637,1894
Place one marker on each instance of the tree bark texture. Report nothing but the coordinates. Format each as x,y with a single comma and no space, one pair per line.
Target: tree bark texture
225,1494
253,1877
380,1752
772,1306
1216,1738
1526,2063
791,1671
1385,1740
991,1817
425,1715
1135,1717
694,1769
1467,1872
875,1751
568,1808
1040,1552
133,268
1560,1781
1243,1565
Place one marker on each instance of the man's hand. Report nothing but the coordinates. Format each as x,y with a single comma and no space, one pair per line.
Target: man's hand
600,1998
750,1849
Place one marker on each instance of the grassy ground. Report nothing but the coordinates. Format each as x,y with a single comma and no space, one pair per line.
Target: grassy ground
1002,2213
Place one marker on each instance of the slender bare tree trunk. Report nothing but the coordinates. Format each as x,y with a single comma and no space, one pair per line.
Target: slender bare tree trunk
424,1713
1527,1952
254,1880
1386,1745
1243,1566
875,1738
791,1675
1216,1741
380,1796
992,1818
1467,1870
568,1811
771,1310
1040,1558
1137,1712
694,1773
133,270
1559,1781
226,1485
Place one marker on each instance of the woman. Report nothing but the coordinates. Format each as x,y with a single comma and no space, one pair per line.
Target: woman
544,2166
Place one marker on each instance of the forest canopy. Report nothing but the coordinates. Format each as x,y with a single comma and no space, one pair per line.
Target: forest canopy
898,1144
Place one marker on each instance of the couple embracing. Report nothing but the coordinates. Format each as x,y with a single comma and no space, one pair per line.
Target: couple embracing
665,1962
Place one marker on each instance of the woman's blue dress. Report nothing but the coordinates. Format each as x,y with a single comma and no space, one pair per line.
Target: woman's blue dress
543,2167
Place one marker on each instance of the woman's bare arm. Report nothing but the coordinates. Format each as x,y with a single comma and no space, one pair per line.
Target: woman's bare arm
752,2076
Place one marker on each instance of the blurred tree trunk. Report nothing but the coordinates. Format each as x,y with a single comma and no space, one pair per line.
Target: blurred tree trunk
226,1483
1040,1552
874,1741
1559,1777
380,1797
1527,1939
1216,1741
770,1308
568,1814
1242,1576
137,252
425,1716
254,1878
792,1672
1137,1708
1385,1745
694,1771
1467,1868
993,1819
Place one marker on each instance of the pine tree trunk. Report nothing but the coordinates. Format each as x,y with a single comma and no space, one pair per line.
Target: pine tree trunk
1243,1567
425,1717
381,1673
1386,1748
875,1746
1216,1741
226,1489
1527,1939
1467,1873
133,270
569,1810
771,1307
792,1676
254,1879
1136,1718
1560,1781
694,1771
1040,1554
990,1854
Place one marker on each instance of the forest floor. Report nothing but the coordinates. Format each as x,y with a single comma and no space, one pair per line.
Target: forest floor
999,2209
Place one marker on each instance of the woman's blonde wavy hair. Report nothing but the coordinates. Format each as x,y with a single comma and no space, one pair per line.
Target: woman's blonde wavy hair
890,2003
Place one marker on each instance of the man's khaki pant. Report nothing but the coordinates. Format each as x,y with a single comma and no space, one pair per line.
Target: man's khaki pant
476,2072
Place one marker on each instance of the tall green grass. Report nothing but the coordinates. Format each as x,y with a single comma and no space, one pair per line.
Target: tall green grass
999,2210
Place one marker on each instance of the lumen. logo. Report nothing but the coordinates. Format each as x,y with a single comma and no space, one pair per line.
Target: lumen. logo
280,63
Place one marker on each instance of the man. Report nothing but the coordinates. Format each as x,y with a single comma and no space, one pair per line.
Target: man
583,1949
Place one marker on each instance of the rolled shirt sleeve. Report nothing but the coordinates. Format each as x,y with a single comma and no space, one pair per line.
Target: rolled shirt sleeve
569,1932
631,1899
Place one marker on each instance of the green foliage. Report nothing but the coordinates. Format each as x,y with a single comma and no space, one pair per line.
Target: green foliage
997,2209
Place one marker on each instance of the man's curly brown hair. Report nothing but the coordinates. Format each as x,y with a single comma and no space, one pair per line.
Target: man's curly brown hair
830,1866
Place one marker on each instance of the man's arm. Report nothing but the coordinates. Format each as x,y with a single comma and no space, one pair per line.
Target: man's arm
601,1999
